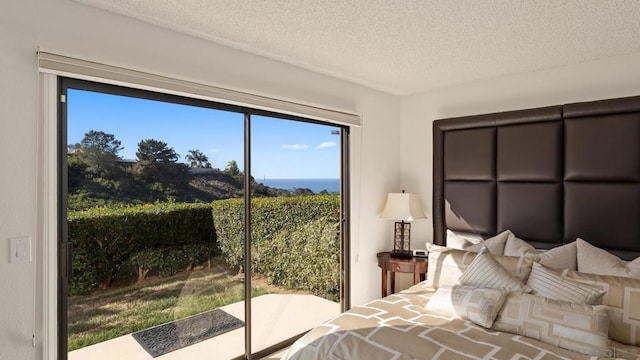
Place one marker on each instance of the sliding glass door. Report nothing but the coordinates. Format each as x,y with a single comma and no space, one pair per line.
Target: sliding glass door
296,234
175,211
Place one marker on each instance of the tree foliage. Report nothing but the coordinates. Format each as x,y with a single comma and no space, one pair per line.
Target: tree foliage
155,151
197,159
232,169
102,142
97,155
157,167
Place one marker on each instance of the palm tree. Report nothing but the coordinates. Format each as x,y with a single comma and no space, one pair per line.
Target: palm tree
197,159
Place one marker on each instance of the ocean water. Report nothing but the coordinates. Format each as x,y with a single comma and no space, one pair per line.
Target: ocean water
315,185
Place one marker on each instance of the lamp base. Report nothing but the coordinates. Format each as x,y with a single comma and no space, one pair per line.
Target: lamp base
401,255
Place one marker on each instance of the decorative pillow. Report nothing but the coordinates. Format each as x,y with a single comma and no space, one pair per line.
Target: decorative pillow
477,305
622,299
560,257
484,271
518,267
446,265
546,283
517,247
581,328
495,244
461,240
594,260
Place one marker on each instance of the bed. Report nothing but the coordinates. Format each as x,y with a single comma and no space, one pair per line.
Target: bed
535,249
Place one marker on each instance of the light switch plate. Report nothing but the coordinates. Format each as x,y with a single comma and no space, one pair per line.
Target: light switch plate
20,250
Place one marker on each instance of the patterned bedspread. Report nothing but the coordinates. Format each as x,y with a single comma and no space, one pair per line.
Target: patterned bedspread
399,327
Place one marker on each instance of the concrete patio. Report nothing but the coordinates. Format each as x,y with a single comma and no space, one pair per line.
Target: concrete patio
276,318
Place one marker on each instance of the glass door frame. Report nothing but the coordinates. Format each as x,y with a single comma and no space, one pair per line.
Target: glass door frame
64,251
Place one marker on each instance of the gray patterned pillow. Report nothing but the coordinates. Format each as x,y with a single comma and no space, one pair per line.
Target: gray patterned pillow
544,282
484,271
446,265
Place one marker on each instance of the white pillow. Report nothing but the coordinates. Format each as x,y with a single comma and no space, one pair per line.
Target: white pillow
461,240
517,247
594,260
484,271
478,305
544,282
495,245
560,257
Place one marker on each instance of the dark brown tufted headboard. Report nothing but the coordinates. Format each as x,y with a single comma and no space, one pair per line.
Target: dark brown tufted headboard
550,175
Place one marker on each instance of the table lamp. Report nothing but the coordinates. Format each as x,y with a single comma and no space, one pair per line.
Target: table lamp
404,207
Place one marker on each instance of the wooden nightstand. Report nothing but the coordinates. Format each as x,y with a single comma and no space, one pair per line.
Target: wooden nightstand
416,266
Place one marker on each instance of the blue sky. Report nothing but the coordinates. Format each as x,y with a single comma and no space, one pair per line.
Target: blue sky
280,148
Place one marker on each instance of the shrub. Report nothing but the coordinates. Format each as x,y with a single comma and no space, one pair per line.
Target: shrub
105,237
305,258
170,260
295,241
287,233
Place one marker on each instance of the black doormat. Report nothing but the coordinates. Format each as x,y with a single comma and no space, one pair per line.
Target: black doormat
177,334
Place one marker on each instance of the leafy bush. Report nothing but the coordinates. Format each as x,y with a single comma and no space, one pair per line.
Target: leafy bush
104,238
228,220
305,258
295,241
170,260
287,233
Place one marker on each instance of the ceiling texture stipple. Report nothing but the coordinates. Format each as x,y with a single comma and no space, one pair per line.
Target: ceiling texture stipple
405,46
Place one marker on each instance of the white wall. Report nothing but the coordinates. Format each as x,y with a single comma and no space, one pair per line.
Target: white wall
608,78
72,29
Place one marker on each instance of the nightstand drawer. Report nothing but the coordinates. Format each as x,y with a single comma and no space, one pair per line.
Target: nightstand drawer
401,267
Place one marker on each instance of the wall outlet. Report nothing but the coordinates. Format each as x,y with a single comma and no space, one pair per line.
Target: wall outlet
20,250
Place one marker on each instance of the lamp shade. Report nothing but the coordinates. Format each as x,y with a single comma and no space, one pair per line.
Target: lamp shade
403,206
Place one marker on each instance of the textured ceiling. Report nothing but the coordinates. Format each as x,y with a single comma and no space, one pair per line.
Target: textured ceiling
405,46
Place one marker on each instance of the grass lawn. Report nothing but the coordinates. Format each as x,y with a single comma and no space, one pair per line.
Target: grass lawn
115,312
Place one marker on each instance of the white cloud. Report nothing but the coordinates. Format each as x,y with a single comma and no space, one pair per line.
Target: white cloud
295,146
326,144
214,150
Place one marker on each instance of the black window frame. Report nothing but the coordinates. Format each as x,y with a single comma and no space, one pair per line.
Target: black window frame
65,250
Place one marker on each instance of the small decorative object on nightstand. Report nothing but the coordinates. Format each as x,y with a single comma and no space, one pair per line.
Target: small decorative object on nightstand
416,266
420,253
404,207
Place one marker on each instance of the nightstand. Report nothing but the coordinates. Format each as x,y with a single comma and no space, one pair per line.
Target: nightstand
416,266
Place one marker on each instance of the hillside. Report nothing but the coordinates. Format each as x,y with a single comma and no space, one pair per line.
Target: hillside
86,191
214,185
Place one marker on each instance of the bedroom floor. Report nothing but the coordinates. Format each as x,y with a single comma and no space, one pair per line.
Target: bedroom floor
276,356
276,317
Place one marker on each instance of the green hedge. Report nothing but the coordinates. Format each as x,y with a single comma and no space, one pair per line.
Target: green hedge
295,240
170,260
306,257
105,238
